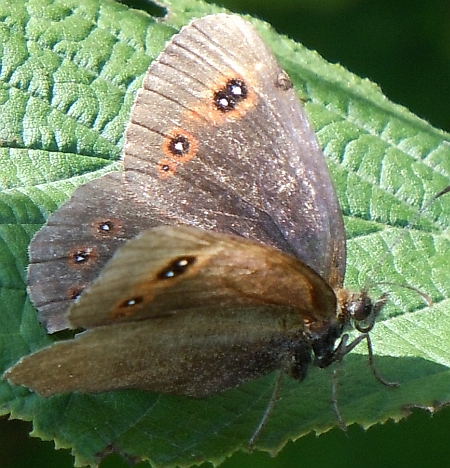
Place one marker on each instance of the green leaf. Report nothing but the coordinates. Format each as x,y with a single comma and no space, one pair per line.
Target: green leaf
70,70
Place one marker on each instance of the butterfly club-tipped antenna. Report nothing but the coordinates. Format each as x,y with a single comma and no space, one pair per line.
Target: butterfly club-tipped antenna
405,230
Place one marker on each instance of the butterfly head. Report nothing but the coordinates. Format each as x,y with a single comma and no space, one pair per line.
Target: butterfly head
355,310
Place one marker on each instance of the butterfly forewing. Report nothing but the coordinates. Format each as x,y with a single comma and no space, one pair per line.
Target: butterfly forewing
260,151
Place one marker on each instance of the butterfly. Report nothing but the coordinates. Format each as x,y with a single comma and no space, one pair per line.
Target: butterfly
217,256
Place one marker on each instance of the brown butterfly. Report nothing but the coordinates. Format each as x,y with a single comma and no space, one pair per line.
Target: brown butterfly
218,141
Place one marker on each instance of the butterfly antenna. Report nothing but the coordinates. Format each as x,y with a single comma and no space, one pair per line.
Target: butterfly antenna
401,235
425,296
418,214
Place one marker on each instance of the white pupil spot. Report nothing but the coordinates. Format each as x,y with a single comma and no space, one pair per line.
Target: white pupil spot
179,146
130,302
180,264
223,102
236,90
82,256
105,227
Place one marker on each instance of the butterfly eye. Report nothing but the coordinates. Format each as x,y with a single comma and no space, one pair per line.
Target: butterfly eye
361,309
176,267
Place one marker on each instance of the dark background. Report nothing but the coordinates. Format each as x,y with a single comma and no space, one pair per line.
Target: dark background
403,46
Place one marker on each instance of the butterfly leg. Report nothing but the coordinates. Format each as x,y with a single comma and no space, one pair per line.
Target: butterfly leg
343,349
268,412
